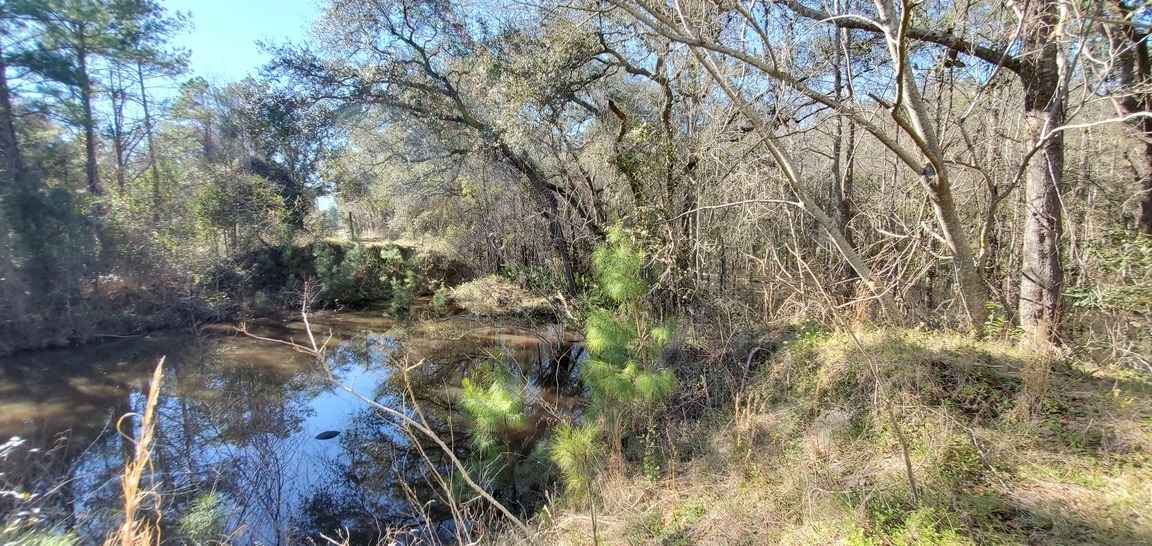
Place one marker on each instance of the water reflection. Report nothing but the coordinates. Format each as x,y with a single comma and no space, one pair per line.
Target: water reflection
239,416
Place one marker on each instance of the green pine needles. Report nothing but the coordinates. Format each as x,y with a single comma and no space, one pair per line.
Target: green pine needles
625,345
358,273
619,268
622,377
495,400
577,453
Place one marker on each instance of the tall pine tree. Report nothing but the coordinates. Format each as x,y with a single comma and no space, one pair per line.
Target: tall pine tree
72,41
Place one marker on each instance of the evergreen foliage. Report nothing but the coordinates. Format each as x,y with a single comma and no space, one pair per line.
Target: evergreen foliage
203,522
577,452
494,400
625,346
358,273
338,274
618,268
622,377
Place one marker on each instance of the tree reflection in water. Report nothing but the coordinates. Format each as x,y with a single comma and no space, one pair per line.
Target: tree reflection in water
238,416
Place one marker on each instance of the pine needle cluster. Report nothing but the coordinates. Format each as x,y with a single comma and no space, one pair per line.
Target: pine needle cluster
625,345
622,377
577,452
495,400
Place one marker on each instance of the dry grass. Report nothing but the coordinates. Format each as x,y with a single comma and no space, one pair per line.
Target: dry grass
815,459
492,296
138,529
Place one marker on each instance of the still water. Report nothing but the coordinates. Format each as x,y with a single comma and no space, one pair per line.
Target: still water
239,417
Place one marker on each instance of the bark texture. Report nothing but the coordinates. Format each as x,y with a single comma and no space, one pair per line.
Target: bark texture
1042,276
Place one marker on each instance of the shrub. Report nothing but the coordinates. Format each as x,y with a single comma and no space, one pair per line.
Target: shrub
623,376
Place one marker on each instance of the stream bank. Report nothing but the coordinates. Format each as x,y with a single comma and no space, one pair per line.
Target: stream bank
338,274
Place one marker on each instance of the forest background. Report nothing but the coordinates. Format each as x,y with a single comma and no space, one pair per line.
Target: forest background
956,166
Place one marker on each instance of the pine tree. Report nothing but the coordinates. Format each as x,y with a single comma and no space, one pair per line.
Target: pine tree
71,40
625,345
622,378
494,398
576,451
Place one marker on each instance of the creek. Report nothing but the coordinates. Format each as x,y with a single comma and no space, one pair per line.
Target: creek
239,418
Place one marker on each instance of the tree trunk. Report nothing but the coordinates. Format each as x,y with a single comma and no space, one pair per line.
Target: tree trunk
551,210
936,180
89,122
11,162
1042,275
1135,67
119,146
973,291
153,164
551,214
843,143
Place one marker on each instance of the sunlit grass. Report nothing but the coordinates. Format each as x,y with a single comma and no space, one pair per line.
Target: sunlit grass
140,527
814,460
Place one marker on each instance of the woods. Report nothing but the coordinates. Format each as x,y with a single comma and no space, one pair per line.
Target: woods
681,173
588,150
697,123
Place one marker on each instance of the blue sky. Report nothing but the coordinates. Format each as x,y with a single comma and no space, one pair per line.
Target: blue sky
224,32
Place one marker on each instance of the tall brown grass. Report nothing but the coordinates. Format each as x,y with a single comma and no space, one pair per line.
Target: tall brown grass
138,529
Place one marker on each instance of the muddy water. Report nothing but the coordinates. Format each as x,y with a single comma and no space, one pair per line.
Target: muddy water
239,417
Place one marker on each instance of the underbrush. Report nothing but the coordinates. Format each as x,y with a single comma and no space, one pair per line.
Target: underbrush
207,288
807,453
